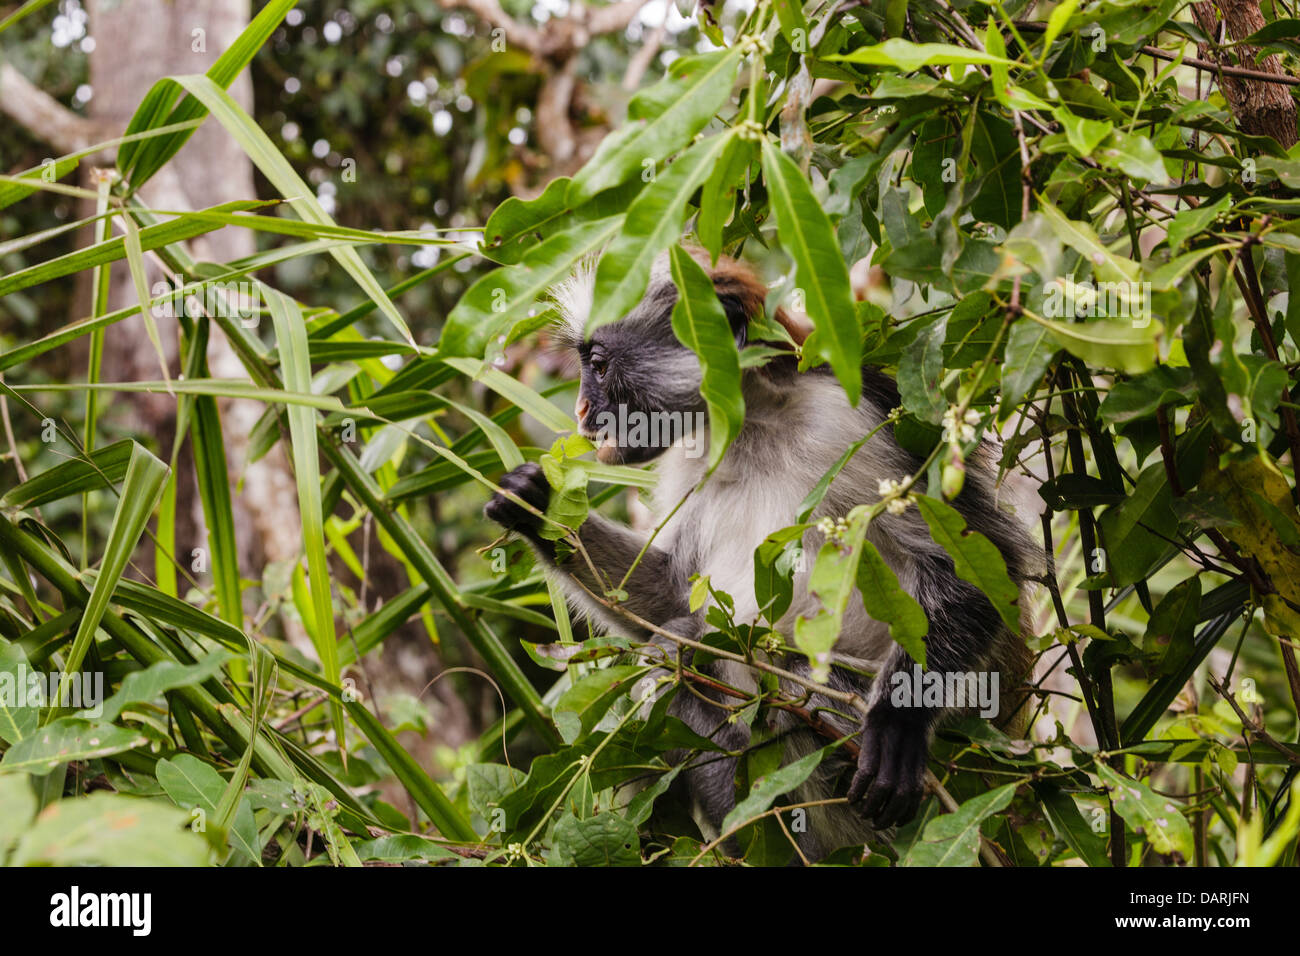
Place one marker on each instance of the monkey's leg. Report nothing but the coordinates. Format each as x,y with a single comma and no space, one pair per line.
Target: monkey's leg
964,627
656,590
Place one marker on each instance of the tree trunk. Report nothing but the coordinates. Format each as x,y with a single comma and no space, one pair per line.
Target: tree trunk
136,45
1261,108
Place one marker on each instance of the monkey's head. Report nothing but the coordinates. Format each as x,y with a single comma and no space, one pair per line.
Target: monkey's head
639,391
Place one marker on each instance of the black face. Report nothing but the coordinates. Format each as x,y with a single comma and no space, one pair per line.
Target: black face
640,388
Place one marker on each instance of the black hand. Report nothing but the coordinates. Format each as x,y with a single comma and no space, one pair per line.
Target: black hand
890,781
530,484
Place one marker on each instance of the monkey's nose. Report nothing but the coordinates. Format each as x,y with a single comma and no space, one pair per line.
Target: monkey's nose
580,409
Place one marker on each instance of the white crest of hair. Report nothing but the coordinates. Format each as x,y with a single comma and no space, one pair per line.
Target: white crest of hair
573,297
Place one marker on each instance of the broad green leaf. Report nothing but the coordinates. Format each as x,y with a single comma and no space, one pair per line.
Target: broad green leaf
654,222
109,829
402,848
65,740
1085,135
150,683
885,600
806,233
953,839
1030,349
193,784
718,197
591,696
701,324
1069,824
1158,818
1134,154
568,506
661,120
910,57
1139,397
832,580
975,558
17,807
19,714
1138,530
496,303
770,786
920,371
605,839
1082,238
1120,345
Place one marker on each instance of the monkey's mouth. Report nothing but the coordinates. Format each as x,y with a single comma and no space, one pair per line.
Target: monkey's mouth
610,452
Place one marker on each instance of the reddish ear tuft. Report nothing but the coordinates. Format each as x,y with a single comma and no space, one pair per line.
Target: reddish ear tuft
733,278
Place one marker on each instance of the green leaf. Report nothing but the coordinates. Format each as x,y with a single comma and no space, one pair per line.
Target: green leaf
1133,154
145,475
605,839
295,364
953,839
111,250
910,57
193,784
103,468
1083,239
1118,345
1138,530
17,807
885,600
568,505
770,786
975,558
1171,630
18,719
1057,21
661,120
1069,824
718,197
496,303
66,740
276,168
1029,351
591,696
806,233
140,162
1139,397
654,222
920,371
832,580
108,829
150,683
1190,223
402,848
700,324
1156,817
1084,135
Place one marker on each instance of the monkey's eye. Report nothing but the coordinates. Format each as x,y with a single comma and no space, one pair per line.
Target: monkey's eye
600,366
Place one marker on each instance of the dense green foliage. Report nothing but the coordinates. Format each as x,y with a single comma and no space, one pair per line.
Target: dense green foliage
1074,252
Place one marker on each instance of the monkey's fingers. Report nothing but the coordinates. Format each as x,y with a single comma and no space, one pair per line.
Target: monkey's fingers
529,484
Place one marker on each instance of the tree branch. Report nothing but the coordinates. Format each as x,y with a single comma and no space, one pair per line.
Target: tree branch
43,116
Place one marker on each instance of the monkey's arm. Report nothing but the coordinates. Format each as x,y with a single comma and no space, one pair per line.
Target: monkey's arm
895,742
656,589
